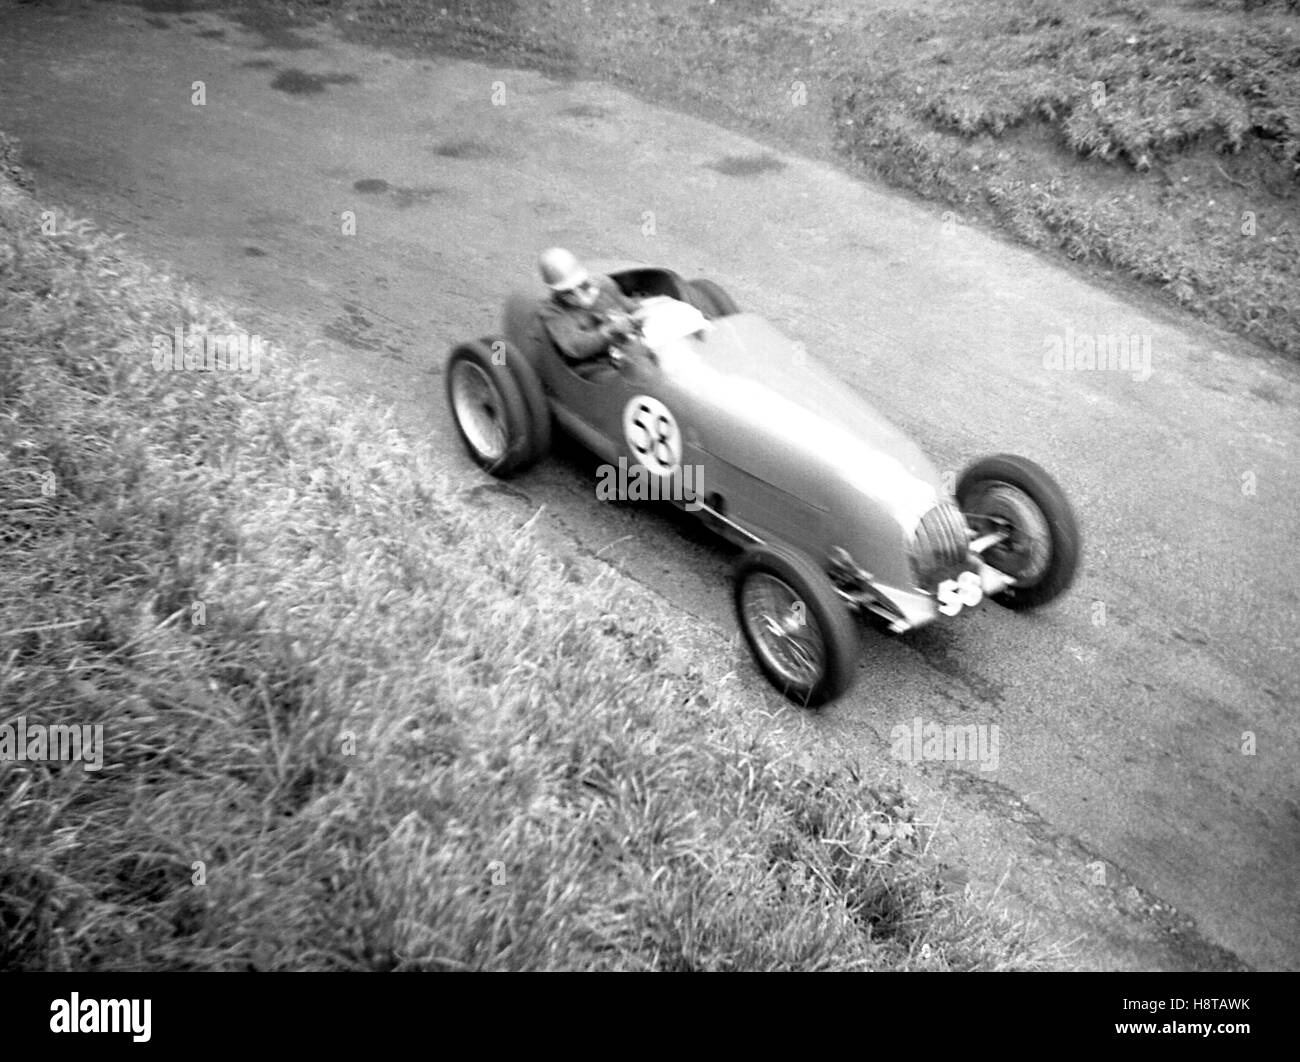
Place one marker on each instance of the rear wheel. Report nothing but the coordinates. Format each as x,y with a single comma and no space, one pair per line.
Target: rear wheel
1017,497
797,627
710,299
497,406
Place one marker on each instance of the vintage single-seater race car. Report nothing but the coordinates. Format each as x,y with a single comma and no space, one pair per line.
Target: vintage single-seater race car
836,510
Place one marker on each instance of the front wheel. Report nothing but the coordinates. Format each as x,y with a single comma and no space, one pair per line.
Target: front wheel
798,629
497,406
1013,495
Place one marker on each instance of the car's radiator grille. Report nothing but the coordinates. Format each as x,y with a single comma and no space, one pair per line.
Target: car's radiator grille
941,543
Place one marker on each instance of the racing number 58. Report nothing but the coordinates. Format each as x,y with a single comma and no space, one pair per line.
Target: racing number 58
658,442
966,590
652,434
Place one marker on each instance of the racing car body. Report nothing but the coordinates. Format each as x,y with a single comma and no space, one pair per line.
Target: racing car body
837,510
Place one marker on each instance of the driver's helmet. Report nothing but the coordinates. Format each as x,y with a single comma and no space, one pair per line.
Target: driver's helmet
561,271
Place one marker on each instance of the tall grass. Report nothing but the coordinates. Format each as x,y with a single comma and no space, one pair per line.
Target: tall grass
352,724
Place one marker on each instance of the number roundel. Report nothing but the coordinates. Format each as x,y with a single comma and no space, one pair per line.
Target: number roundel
966,590
652,435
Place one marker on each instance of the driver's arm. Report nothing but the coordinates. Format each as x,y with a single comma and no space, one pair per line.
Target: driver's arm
620,315
576,341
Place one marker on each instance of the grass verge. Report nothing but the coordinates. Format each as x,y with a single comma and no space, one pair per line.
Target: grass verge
1159,139
349,724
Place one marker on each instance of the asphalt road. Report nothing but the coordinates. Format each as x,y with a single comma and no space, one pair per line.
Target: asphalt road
1123,711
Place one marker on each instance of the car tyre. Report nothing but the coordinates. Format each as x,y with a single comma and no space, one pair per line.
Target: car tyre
1013,493
710,299
498,406
798,629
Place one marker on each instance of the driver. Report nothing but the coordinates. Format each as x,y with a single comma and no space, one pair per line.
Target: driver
587,317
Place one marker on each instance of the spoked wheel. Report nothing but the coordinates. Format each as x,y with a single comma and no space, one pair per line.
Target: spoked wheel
1018,498
497,406
799,631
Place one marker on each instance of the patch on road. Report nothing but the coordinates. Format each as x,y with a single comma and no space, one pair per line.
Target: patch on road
461,149
399,196
403,198
932,644
548,208
352,329
300,83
